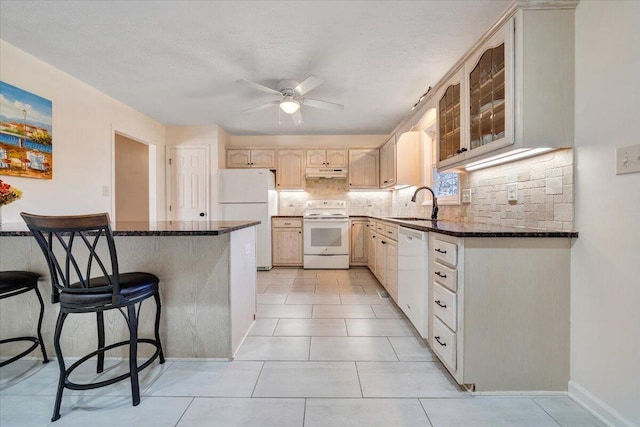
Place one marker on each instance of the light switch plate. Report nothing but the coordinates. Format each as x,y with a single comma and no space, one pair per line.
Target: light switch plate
466,196
512,192
628,160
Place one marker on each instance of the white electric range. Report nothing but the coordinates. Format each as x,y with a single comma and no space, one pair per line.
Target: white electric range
326,234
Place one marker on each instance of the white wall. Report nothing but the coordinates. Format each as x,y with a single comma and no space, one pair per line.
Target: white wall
84,121
211,136
605,270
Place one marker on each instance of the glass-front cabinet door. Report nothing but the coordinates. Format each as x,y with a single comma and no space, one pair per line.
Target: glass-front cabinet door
450,117
489,78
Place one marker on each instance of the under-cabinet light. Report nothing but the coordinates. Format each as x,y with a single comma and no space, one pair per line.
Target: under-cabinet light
506,158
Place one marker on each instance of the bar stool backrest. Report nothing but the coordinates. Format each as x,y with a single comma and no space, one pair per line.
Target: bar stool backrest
74,247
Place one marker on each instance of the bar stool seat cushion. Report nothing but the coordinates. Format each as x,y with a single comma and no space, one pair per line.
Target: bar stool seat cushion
133,286
14,280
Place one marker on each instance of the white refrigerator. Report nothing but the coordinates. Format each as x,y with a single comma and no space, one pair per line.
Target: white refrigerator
250,194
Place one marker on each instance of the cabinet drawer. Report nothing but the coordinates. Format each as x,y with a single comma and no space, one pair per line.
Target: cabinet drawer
445,252
287,222
444,343
445,276
444,305
391,232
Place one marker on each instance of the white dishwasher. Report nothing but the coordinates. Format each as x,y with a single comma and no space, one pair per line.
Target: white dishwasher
413,274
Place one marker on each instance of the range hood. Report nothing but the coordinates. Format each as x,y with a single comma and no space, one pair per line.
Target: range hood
312,173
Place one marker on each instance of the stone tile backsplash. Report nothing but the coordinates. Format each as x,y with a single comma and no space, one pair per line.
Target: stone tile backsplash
544,199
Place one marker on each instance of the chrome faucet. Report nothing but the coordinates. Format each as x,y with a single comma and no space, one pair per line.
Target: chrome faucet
434,209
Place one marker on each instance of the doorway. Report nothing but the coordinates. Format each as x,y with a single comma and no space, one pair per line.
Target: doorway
131,179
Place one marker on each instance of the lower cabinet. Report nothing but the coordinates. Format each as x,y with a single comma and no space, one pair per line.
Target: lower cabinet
385,265
286,236
371,246
358,242
499,311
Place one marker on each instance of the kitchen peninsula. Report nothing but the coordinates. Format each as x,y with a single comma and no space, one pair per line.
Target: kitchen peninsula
207,272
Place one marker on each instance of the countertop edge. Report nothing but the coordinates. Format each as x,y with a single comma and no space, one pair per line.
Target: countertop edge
120,233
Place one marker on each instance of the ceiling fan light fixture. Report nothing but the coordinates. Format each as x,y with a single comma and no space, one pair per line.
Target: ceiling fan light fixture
289,105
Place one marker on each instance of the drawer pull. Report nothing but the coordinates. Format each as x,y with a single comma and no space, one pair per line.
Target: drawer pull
437,273
383,242
408,306
287,223
440,304
444,344
440,251
390,232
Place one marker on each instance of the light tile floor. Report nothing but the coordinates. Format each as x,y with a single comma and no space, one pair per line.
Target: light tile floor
325,351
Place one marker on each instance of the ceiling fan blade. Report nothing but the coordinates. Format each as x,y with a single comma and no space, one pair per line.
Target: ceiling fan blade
258,86
261,107
297,118
323,104
308,84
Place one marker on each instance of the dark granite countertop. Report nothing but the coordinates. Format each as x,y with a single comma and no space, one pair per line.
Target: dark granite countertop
463,229
159,228
286,216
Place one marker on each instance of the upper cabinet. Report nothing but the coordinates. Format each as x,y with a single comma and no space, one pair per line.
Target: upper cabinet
450,110
290,170
334,158
515,91
489,94
242,158
363,169
388,163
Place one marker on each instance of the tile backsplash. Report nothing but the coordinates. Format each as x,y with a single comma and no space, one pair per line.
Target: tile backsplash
544,195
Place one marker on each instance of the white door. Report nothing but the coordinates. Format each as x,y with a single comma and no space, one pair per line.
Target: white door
188,183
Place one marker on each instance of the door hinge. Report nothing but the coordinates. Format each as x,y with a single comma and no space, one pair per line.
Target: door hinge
169,162
169,208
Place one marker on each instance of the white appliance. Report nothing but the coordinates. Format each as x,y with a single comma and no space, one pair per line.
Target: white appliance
250,194
413,278
326,234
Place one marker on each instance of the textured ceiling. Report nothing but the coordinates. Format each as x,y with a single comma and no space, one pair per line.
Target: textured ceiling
177,61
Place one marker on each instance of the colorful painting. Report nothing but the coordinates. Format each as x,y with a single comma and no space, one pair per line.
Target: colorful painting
26,143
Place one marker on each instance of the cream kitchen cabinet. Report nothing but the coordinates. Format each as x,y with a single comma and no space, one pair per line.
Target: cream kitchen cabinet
517,90
388,163
287,242
290,170
363,169
358,242
499,312
371,246
326,158
244,158
386,258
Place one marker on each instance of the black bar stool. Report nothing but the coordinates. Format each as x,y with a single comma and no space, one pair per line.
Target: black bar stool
93,286
14,283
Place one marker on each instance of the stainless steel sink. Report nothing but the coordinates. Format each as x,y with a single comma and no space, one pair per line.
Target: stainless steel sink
409,218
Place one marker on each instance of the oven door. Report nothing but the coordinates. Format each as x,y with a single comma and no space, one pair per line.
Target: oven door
326,237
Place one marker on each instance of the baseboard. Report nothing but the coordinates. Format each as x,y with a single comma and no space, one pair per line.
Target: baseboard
597,407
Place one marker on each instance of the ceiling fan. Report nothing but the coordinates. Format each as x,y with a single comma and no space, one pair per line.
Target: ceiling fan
291,97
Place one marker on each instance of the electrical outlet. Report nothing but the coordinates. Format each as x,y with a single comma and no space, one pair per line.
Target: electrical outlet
105,190
628,160
512,192
466,196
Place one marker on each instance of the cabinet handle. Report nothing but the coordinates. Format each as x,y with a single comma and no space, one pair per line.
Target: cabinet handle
299,232
385,182
408,306
390,232
383,242
437,273
441,305
288,223
462,150
440,251
444,344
